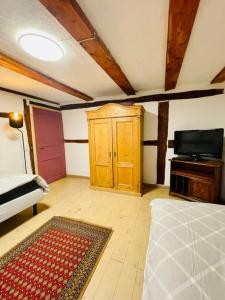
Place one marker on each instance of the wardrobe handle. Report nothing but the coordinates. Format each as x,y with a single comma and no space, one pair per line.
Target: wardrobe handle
114,153
109,154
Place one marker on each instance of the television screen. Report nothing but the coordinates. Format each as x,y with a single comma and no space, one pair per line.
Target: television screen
199,142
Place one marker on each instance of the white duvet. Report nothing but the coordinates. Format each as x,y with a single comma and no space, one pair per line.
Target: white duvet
186,254
9,181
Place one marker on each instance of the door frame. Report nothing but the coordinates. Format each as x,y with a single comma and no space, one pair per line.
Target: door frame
33,132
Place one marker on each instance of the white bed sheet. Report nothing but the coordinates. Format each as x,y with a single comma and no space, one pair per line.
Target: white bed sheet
9,181
15,206
186,253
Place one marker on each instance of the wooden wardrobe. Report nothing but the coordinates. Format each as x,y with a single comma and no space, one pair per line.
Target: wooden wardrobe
115,145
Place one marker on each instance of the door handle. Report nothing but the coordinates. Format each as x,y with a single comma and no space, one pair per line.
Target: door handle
114,153
109,154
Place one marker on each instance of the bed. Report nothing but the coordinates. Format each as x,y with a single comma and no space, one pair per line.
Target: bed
18,192
186,253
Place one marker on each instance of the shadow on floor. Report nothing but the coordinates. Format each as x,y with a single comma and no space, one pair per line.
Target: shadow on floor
146,188
20,218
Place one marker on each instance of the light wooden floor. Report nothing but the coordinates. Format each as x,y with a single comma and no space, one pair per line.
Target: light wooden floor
119,274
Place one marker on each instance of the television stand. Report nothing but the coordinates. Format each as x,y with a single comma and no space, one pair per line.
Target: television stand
196,180
196,158
184,158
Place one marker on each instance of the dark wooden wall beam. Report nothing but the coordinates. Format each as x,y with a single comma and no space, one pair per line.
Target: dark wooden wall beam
220,77
163,119
26,112
4,115
84,141
170,143
150,143
76,141
182,15
27,95
72,18
16,66
149,98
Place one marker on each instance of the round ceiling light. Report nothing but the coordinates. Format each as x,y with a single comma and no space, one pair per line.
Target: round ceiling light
41,47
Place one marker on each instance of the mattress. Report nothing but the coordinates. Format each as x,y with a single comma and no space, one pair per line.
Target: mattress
186,253
15,206
10,181
19,191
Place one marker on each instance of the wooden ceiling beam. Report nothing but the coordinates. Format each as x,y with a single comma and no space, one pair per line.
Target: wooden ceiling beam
16,66
182,15
72,18
149,98
220,77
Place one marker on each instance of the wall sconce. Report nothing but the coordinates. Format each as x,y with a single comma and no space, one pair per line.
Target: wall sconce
16,121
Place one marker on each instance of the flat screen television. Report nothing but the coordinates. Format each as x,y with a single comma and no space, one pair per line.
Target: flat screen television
198,143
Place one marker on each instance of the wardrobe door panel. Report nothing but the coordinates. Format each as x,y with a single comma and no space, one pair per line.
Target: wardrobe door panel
100,143
124,177
125,141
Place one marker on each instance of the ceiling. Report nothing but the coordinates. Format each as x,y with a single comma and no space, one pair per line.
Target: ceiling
135,32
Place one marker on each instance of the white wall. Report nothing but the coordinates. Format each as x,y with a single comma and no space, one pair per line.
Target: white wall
77,155
204,113
150,133
11,148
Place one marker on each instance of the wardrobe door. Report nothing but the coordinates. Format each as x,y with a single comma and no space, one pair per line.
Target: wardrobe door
126,152
100,143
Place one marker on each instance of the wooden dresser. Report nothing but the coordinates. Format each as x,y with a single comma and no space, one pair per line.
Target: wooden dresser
115,145
196,180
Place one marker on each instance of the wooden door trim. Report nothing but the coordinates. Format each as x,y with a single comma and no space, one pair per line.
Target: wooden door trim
27,121
45,108
34,140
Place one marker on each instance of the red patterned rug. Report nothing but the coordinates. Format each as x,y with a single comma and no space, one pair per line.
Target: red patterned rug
55,262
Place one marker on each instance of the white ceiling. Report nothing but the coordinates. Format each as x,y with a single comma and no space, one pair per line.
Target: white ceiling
135,31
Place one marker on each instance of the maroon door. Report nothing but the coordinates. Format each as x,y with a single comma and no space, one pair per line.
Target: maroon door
49,144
